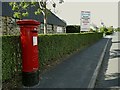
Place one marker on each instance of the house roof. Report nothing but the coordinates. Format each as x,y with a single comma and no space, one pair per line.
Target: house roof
51,18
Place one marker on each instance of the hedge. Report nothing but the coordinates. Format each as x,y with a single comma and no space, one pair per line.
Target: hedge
11,56
51,47
73,29
107,31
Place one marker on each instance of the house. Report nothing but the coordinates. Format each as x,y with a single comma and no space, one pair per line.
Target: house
9,26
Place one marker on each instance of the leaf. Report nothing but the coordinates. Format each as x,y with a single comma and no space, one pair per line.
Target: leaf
25,5
15,8
33,3
38,11
11,3
17,14
25,14
21,4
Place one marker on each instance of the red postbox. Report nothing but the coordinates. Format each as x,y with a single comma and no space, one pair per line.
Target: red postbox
29,45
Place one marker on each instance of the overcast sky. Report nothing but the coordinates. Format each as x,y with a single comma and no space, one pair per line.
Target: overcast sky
101,10
119,14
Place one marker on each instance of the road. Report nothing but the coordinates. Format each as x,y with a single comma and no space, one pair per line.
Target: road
109,74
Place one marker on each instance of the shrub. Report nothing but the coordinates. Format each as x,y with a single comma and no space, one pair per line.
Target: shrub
103,29
73,29
109,31
11,56
117,29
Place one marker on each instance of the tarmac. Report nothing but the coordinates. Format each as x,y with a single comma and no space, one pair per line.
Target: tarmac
77,71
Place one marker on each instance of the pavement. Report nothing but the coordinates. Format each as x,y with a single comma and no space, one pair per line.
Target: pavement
77,70
109,75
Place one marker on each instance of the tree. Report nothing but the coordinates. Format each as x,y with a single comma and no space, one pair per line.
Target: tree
20,9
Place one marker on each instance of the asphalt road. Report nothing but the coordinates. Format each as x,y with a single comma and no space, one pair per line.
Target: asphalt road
109,74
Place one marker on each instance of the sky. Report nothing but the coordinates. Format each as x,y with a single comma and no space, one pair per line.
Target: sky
101,11
119,14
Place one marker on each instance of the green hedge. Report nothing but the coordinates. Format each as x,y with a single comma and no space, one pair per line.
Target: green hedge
51,47
107,31
11,57
73,29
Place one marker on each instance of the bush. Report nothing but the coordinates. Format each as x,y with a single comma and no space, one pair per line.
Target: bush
51,47
107,31
103,29
73,29
11,56
117,29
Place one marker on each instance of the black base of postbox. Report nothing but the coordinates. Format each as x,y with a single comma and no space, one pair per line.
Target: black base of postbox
30,78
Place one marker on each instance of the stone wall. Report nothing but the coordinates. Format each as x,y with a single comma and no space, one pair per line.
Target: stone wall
9,26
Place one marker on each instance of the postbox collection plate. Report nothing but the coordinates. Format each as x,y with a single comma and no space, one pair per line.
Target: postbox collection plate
34,40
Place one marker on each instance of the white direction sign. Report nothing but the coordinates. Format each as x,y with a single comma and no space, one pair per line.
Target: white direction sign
85,20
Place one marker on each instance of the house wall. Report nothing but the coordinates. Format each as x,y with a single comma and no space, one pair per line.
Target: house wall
9,26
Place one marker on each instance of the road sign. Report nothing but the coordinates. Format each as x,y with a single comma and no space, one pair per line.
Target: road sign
85,20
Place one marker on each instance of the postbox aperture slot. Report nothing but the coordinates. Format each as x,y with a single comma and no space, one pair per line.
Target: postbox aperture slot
34,31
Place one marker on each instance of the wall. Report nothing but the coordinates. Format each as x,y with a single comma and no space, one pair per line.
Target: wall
9,26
